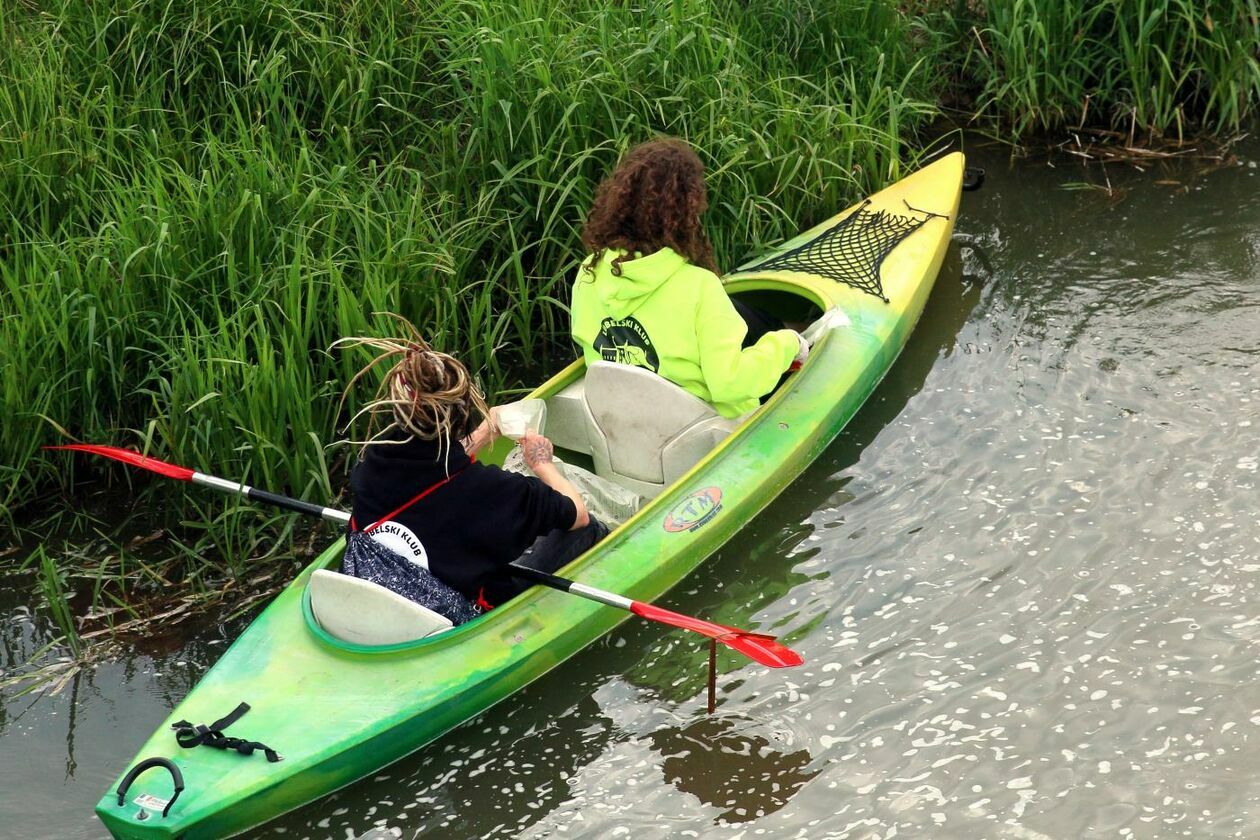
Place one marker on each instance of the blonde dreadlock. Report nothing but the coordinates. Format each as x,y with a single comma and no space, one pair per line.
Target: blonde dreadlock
426,394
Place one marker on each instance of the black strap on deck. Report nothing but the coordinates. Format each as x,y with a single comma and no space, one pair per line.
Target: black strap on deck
188,735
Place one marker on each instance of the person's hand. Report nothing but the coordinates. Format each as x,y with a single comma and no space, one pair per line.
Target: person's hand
802,353
537,450
487,430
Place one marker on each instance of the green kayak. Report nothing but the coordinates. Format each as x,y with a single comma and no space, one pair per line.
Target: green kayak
333,711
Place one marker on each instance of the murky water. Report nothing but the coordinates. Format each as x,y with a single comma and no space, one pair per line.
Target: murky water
1024,579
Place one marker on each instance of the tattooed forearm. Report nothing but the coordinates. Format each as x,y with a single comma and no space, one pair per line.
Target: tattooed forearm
537,450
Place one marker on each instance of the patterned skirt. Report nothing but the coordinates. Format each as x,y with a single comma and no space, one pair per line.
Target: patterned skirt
367,559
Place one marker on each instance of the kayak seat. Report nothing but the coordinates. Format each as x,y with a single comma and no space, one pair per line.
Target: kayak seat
566,418
364,613
644,431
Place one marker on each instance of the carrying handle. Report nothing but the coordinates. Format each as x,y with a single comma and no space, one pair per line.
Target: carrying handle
145,765
973,178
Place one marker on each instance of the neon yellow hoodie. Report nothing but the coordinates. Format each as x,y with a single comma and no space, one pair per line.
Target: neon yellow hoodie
676,320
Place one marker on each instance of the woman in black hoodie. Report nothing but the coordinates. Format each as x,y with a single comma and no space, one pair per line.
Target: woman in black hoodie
419,491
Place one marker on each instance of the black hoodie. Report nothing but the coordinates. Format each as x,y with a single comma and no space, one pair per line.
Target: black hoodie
465,530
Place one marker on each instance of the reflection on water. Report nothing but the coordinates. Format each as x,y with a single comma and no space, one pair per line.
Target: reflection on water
1024,581
494,777
741,772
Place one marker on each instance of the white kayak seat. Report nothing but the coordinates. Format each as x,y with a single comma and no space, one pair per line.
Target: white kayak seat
364,613
566,418
644,431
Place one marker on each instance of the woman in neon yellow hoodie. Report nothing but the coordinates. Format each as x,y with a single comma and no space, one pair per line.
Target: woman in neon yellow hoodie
649,294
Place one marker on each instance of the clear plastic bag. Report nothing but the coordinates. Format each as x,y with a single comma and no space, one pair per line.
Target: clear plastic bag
515,419
605,500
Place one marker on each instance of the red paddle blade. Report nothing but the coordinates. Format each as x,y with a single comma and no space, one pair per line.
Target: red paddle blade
134,458
756,646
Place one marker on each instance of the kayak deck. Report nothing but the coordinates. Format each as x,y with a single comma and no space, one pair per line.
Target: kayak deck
337,711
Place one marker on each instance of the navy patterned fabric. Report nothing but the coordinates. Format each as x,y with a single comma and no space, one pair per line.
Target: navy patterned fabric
366,558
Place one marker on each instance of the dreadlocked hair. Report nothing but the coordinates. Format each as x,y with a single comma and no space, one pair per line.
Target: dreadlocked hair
426,394
653,199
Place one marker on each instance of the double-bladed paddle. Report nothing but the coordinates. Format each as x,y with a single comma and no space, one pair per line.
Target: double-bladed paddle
756,646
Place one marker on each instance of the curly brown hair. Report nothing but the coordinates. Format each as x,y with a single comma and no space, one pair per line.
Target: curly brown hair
653,199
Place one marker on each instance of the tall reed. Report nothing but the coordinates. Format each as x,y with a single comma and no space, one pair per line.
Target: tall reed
197,199
53,587
1138,66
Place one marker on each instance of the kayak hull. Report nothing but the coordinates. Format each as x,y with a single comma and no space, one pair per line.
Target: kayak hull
337,712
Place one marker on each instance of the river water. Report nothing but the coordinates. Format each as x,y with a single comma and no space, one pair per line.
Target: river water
1024,580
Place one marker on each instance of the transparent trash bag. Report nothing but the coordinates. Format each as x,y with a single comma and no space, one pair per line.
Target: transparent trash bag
832,319
605,500
515,419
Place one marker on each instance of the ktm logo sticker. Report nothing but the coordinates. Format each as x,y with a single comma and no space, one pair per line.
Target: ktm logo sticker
695,510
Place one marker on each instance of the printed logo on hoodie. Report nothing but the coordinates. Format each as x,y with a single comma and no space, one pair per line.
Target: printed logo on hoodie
624,341
402,541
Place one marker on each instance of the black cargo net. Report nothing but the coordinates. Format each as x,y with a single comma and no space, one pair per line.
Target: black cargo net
853,250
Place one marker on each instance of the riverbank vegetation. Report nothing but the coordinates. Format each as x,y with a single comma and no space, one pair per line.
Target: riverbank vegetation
1146,75
197,199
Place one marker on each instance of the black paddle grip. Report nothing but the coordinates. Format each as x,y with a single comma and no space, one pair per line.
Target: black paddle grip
286,502
537,576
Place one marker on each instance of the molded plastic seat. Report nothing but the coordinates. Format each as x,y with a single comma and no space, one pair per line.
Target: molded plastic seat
644,431
365,613
566,418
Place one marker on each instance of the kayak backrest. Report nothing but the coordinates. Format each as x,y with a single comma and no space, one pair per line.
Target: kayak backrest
566,418
644,431
365,613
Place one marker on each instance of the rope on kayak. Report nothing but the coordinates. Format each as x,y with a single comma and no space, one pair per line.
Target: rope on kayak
189,735
852,251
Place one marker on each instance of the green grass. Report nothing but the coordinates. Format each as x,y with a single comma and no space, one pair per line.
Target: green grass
196,200
1143,67
53,587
